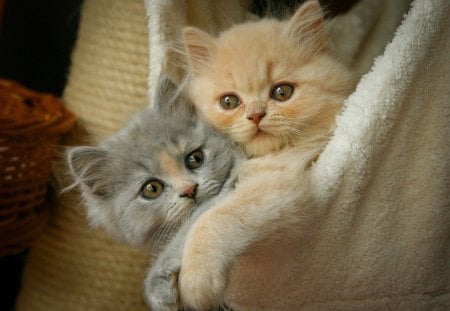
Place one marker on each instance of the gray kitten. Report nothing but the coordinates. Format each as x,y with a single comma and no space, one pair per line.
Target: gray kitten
148,183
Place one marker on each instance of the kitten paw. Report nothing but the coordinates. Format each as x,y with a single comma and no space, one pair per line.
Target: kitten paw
161,290
201,285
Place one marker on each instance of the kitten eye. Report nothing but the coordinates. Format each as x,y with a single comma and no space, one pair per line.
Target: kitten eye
152,189
229,102
282,92
194,159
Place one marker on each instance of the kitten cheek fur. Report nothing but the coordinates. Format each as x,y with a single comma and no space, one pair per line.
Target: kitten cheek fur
88,166
91,168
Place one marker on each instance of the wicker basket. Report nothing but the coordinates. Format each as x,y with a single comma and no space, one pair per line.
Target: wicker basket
31,125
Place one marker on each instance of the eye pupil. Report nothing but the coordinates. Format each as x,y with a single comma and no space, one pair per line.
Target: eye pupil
194,159
229,102
282,92
152,189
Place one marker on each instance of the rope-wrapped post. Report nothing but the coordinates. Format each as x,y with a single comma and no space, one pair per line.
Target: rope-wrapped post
72,266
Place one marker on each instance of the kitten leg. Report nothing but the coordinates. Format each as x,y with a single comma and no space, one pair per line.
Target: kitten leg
161,287
161,284
258,208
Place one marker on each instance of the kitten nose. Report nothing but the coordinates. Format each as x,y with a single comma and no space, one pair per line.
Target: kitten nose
256,117
190,192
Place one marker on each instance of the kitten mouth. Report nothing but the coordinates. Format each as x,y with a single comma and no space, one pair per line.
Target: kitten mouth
261,136
260,132
256,129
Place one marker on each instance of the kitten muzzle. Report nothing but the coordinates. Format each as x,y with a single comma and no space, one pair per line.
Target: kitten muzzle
256,117
190,192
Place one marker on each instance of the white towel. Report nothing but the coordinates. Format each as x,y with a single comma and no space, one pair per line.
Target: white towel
383,238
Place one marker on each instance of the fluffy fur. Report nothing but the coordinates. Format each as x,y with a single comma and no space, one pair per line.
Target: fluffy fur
274,194
250,59
154,145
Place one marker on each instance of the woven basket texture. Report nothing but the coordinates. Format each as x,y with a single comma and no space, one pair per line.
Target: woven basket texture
72,266
31,125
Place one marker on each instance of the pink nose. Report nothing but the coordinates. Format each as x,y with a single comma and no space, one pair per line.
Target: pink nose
256,117
190,192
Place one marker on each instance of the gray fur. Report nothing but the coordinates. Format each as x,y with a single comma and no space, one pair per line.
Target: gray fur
110,177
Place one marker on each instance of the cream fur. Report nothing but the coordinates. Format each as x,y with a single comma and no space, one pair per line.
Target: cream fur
250,68
275,195
382,239
272,199
382,242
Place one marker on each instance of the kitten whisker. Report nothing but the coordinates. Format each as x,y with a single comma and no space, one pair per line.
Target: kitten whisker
159,235
297,134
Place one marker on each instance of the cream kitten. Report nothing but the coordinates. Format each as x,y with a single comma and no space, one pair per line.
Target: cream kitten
269,84
274,87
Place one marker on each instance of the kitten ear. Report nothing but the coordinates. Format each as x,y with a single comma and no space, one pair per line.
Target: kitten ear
171,102
200,47
167,91
87,165
307,25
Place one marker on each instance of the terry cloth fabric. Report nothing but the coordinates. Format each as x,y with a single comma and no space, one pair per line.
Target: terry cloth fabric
382,240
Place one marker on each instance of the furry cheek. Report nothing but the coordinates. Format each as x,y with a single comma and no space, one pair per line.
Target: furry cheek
231,123
178,209
243,131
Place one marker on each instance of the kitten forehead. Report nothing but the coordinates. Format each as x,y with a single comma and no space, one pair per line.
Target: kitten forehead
249,38
268,59
169,165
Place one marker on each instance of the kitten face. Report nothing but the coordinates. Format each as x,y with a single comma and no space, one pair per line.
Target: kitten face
149,177
268,84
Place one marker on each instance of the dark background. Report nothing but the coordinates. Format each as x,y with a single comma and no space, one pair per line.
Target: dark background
35,42
36,39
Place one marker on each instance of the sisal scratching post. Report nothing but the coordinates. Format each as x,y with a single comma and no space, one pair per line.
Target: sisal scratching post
73,267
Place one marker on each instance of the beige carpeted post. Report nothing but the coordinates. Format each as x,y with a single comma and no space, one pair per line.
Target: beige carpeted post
73,267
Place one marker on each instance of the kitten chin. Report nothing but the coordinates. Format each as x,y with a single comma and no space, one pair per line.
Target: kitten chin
262,143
